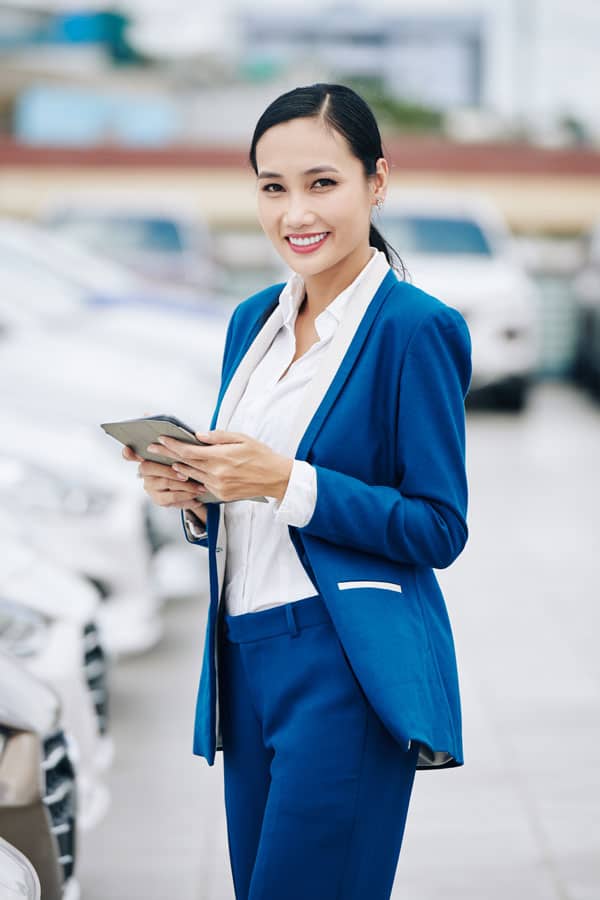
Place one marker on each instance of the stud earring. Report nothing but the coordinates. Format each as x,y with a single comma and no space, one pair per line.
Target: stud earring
379,203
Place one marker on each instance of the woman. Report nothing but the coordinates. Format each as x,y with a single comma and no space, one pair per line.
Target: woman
329,673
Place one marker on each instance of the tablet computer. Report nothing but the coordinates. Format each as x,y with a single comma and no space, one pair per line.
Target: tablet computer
139,433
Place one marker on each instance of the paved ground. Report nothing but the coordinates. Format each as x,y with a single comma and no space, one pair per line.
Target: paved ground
520,820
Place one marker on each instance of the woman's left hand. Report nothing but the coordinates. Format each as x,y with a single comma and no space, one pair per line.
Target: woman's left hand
234,466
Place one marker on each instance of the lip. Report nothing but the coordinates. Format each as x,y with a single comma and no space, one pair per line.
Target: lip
309,248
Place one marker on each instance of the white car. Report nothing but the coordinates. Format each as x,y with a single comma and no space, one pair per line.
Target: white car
457,247
38,801
48,621
51,282
81,503
30,251
88,364
65,370
162,245
18,878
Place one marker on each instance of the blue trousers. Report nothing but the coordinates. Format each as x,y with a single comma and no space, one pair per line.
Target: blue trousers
316,789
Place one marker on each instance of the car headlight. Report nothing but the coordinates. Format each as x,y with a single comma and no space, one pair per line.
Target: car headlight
39,490
23,631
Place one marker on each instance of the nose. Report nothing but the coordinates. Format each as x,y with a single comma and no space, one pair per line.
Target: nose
297,214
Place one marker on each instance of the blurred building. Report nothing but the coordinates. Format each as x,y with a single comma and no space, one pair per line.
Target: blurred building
152,75
433,60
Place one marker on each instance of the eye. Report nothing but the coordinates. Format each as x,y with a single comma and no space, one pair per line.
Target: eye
324,182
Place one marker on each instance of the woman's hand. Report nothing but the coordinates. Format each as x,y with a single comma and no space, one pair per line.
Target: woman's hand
233,467
165,487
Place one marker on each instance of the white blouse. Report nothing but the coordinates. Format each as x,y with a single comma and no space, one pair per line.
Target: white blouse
262,568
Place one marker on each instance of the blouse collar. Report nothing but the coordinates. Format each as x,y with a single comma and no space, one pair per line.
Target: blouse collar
327,321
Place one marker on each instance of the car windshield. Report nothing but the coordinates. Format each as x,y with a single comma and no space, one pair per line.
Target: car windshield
435,235
125,233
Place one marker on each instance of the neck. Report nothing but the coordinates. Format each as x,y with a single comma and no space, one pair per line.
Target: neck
323,287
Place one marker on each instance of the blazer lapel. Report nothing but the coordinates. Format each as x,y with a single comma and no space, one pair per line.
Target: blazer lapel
340,356
248,363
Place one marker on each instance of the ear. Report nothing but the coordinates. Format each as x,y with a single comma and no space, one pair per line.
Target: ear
381,176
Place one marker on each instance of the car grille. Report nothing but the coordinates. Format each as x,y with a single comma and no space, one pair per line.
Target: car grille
96,671
60,798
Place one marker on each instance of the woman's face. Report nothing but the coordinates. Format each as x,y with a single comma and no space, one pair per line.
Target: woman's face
331,207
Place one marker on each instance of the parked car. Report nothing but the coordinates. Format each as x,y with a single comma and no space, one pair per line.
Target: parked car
18,878
38,801
586,289
48,620
457,247
111,367
58,264
162,245
81,505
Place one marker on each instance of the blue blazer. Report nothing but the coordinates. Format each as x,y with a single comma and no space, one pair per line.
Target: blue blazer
387,440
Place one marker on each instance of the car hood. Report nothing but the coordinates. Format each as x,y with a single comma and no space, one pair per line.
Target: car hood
74,453
26,702
30,580
81,380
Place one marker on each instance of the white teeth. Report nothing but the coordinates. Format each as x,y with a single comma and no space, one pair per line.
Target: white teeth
303,242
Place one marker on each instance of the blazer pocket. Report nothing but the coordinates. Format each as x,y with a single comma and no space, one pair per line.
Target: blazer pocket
378,585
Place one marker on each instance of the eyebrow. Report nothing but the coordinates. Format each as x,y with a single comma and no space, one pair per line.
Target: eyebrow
313,171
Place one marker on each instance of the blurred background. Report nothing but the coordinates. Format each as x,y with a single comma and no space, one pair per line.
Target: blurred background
127,235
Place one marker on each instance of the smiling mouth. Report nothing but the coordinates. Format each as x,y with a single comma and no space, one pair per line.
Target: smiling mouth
305,243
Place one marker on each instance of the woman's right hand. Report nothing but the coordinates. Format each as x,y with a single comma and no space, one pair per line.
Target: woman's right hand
165,487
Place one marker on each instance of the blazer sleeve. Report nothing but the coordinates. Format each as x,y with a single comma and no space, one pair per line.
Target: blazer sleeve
195,532
421,518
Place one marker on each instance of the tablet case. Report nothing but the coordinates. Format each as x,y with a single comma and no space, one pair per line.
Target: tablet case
138,433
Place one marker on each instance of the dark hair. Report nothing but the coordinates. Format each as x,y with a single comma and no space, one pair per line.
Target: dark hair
343,110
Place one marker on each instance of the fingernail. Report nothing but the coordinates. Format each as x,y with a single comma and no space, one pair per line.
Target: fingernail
181,477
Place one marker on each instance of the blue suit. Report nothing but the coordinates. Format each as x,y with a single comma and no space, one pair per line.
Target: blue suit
387,439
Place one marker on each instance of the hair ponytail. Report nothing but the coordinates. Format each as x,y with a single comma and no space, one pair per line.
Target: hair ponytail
376,239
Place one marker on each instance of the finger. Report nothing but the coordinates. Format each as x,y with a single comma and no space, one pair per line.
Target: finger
148,468
131,455
218,436
178,499
173,447
181,450
190,471
155,485
199,509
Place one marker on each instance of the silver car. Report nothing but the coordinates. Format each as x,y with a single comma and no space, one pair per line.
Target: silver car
47,621
38,805
457,247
